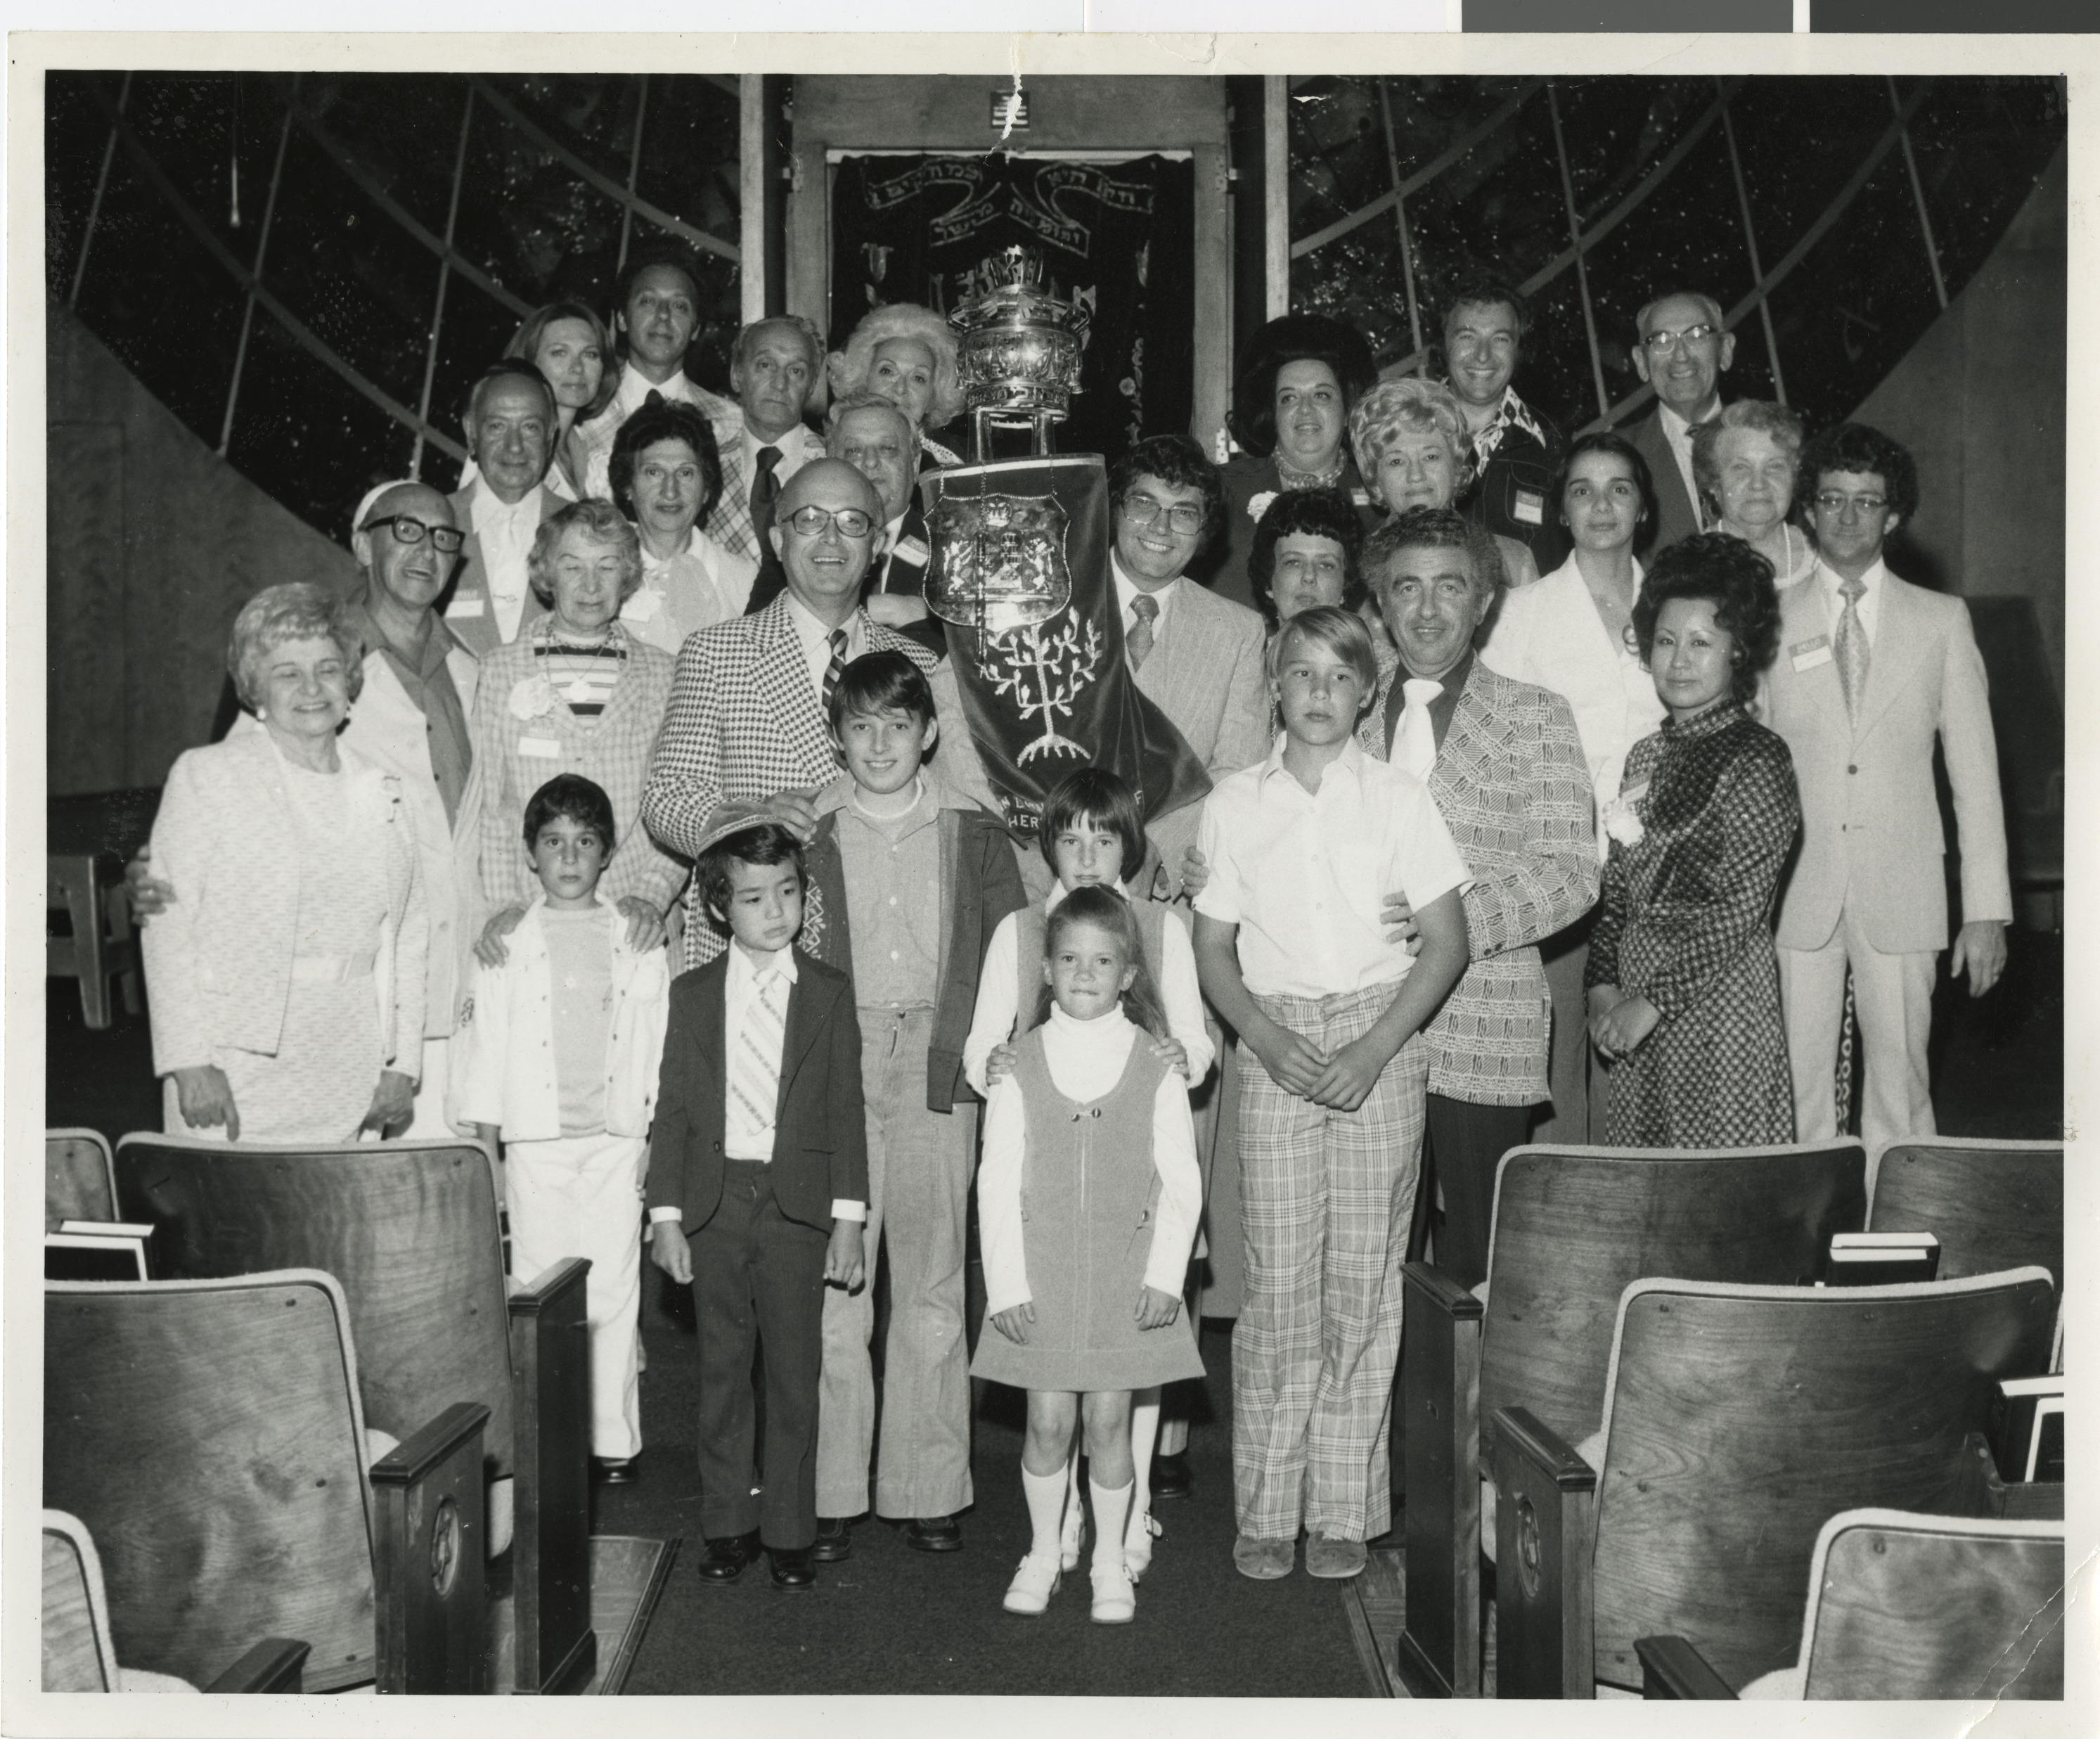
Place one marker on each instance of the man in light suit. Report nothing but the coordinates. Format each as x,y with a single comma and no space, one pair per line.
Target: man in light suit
1683,353
1198,657
1870,670
761,438
510,428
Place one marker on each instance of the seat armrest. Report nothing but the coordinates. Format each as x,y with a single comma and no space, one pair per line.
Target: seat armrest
430,1555
1546,1500
550,1545
272,1665
549,1285
1441,1402
1672,1670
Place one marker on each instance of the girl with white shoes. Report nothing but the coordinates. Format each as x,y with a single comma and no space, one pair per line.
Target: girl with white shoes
1087,1202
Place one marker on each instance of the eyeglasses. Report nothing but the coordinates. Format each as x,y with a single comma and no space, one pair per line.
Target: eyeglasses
813,522
1184,517
407,529
1661,343
1831,502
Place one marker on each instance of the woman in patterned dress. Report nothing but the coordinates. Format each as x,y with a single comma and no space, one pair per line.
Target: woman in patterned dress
576,692
287,962
1683,982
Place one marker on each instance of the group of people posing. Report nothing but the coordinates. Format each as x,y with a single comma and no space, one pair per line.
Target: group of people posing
1557,788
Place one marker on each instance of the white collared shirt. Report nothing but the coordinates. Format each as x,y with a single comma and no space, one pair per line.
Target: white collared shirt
816,639
1870,601
1127,594
1305,874
505,534
1677,432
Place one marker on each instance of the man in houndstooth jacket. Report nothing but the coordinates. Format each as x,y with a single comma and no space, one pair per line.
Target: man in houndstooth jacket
746,717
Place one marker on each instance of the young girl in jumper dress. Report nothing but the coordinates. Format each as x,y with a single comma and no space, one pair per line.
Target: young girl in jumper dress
1087,1202
1092,836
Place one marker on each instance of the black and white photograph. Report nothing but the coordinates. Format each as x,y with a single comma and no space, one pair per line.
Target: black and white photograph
1211,875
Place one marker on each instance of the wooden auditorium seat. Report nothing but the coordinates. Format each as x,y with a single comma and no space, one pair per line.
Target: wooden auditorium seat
1993,1205
209,1436
1907,1608
1738,1420
79,1653
410,1229
1572,1228
80,1177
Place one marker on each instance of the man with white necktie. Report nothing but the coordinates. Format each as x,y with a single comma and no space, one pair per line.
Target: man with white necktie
761,437
1870,671
1683,352
510,429
1504,765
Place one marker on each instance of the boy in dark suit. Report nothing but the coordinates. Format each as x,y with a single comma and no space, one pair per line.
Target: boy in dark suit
758,1187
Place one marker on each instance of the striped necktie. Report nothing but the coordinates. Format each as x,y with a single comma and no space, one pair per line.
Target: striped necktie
837,667
754,1069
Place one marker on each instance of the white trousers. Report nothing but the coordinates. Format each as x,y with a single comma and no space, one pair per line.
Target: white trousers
581,1195
1892,994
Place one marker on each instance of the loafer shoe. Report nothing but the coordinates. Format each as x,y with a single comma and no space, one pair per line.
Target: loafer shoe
834,1540
933,1533
1032,1586
1171,1477
616,1472
1137,1544
1264,1560
794,1570
726,1558
1115,1596
1334,1559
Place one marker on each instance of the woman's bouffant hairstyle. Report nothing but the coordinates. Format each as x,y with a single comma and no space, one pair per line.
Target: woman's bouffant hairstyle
1294,337
297,610
1106,909
1776,420
574,798
848,370
1098,796
665,421
1722,569
602,522
1410,405
1856,447
1315,513
1604,440
524,345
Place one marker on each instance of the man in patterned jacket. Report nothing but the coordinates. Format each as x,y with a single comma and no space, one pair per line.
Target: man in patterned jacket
1505,766
746,717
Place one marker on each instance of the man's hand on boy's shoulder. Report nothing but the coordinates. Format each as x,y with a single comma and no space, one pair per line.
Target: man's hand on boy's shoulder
670,1251
490,948
797,810
844,1264
645,923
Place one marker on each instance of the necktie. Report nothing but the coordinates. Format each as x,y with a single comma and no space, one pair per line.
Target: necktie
1851,647
765,491
1414,746
1138,641
754,1069
837,667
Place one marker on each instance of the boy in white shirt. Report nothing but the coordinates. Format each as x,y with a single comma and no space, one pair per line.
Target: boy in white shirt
1294,956
559,1051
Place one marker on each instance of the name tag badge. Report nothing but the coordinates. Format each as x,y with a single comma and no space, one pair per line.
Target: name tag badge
1630,795
1530,508
1810,653
913,550
475,605
540,748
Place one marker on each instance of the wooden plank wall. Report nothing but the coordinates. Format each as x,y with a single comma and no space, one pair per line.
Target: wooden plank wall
153,543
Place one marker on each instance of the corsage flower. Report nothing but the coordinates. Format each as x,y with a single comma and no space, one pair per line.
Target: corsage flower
532,697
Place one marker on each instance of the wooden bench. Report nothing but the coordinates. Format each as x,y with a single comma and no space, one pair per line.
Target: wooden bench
1572,1228
1737,1421
410,1229
1910,1607
209,1434
1993,1205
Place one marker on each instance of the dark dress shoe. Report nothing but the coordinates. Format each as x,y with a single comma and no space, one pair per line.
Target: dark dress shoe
834,1540
615,1472
1170,1475
726,1557
794,1570
934,1533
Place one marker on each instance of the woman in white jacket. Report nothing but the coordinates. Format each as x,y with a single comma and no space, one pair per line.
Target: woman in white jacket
287,972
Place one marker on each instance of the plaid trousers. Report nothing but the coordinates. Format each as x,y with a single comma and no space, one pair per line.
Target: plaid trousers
1326,1197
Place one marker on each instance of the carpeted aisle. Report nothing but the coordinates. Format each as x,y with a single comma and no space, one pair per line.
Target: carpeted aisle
890,1620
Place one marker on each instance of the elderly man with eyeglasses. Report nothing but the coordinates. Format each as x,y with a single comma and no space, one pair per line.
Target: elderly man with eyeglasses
1683,353
410,720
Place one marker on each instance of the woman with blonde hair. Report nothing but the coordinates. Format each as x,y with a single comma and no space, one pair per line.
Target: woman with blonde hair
907,355
566,342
